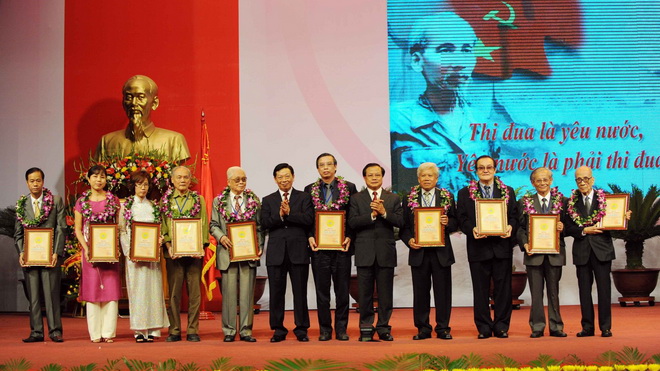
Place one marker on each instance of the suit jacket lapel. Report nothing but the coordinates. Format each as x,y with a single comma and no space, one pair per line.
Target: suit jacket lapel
537,204
29,208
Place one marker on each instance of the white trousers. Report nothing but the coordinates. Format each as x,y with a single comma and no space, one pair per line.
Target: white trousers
102,319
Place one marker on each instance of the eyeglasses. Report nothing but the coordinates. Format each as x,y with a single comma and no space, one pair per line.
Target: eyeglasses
482,168
239,180
586,179
142,185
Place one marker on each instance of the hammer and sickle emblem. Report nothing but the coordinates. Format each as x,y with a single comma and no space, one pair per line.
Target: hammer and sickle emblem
505,22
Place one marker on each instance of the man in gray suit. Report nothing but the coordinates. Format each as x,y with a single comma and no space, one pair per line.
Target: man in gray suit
41,209
236,204
543,268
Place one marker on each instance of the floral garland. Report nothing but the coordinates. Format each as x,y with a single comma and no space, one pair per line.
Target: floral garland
108,213
342,200
128,213
445,198
251,205
171,212
475,191
46,207
555,201
595,216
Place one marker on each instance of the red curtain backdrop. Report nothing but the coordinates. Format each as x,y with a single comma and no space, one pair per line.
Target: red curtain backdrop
190,48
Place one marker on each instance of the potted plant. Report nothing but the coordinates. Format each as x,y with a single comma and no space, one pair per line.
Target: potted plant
636,282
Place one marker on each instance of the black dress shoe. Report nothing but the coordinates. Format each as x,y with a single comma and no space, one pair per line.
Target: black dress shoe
501,334
558,334
173,338
483,336
606,334
303,339
342,336
193,337
422,336
444,335
248,339
57,339
386,337
33,339
585,333
325,336
536,334
229,338
277,338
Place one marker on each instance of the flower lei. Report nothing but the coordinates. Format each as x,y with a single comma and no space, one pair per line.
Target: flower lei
251,205
595,216
128,213
108,213
555,201
44,212
475,191
445,198
174,213
342,200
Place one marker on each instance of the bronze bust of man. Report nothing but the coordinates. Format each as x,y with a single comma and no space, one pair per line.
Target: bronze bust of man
141,135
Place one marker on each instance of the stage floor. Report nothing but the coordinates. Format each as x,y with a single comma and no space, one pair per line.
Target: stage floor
633,326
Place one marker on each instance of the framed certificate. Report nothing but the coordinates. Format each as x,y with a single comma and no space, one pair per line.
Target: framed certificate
543,234
330,231
243,237
615,212
429,231
38,246
187,237
103,243
144,242
491,217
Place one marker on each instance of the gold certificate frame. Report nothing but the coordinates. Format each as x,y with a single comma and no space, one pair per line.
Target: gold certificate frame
187,237
243,237
330,229
615,212
38,246
543,234
144,242
103,243
491,217
429,230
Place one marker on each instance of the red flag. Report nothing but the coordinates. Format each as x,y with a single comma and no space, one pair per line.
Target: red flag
209,271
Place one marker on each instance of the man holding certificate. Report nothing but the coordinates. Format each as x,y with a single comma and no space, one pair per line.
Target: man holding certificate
287,214
544,265
41,209
237,205
485,206
185,232
430,262
331,193
374,214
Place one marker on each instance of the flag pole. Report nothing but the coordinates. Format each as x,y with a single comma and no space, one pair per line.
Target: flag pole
209,256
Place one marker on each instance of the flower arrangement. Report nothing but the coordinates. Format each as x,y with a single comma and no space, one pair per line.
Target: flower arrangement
475,191
595,216
252,203
444,200
171,211
46,207
108,213
344,195
128,212
556,198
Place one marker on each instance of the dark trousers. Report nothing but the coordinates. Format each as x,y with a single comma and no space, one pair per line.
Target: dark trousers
178,271
585,275
430,271
47,281
332,267
383,278
539,276
298,274
500,270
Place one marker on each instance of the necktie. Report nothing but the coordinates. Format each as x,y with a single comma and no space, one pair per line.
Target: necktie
286,196
544,206
587,203
487,191
375,196
37,211
237,205
427,199
328,193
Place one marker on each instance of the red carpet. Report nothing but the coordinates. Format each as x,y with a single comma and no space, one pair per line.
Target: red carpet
633,326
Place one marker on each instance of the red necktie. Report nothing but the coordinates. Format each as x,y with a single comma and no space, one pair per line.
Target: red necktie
286,196
237,206
375,196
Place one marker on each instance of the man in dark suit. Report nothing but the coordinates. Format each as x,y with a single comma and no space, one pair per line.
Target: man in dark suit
41,209
490,257
430,264
593,252
374,214
543,269
287,214
330,192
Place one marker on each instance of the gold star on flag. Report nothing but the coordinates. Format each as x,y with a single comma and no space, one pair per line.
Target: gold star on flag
483,51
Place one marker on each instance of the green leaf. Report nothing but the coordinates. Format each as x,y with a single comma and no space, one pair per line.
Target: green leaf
573,359
500,360
544,360
138,365
111,365
298,364
168,365
404,362
192,366
608,358
630,356
52,367
21,364
89,367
